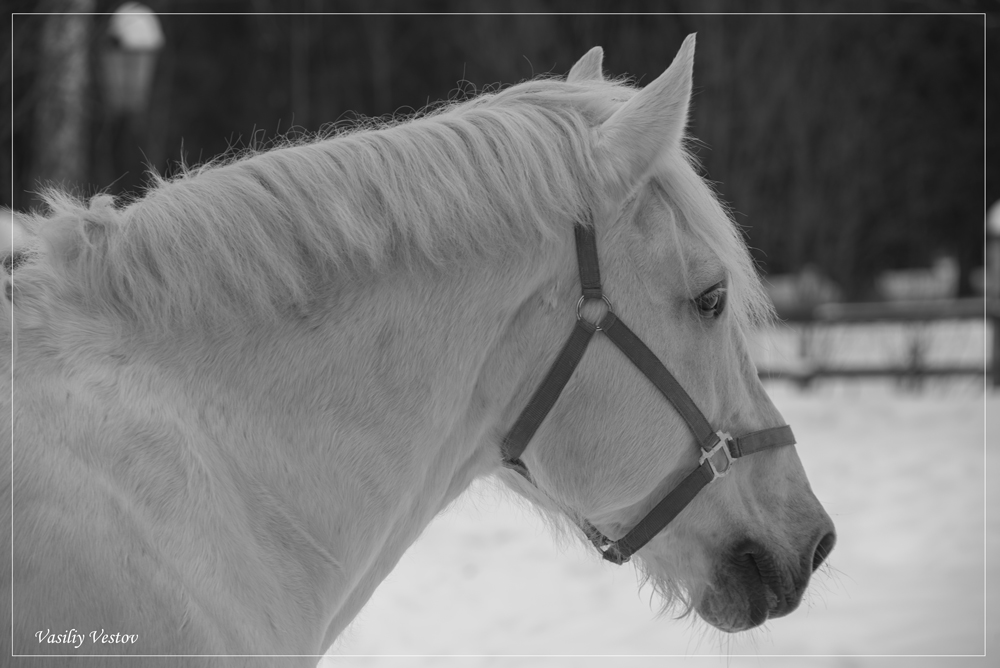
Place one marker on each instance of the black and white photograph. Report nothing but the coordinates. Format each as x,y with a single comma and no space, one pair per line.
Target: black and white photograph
444,333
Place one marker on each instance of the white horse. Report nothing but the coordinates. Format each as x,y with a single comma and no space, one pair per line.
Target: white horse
240,399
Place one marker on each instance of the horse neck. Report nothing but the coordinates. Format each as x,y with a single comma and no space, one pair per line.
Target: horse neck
363,427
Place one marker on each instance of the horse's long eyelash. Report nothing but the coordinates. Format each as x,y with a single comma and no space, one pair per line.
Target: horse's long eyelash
721,285
713,312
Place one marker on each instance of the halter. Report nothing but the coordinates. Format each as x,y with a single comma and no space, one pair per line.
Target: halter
719,449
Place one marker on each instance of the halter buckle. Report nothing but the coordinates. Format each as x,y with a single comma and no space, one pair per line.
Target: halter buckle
613,554
708,455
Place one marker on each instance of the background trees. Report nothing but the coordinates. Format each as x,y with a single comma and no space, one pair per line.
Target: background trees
853,143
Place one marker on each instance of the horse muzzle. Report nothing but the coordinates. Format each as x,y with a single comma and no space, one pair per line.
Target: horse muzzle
751,584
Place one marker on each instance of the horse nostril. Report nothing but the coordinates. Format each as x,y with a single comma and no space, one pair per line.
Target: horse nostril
823,548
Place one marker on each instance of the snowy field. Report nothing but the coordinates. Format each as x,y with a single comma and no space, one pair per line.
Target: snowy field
901,474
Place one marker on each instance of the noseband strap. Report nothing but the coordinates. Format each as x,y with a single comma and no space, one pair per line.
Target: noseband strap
719,449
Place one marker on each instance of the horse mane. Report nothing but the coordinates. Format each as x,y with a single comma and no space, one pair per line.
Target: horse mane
262,234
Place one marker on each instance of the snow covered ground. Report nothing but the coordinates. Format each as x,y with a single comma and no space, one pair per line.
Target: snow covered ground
901,474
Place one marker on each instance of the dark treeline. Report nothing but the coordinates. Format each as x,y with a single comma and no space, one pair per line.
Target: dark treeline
853,143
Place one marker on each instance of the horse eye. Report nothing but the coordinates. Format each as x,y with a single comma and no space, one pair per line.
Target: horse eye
712,302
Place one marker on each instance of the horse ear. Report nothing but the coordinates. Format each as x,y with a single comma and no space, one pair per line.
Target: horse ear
588,68
649,125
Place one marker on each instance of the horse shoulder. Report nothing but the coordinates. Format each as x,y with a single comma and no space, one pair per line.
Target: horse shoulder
79,557
124,515
82,552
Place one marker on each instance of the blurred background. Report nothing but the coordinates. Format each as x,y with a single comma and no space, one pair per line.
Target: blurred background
853,150
847,145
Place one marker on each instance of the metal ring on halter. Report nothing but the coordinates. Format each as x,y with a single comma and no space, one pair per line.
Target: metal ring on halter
579,314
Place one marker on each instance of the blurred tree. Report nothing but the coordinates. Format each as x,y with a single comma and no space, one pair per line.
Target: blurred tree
61,153
863,151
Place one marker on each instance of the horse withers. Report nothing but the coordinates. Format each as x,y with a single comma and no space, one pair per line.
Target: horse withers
239,399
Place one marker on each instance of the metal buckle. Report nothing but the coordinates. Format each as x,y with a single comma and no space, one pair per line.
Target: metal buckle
723,445
579,307
613,554
607,547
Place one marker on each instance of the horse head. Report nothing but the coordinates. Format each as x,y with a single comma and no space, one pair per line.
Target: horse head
674,267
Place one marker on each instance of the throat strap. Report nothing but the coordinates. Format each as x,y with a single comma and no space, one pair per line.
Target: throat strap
545,397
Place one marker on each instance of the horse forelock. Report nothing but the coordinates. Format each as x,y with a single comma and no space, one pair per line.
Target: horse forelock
694,200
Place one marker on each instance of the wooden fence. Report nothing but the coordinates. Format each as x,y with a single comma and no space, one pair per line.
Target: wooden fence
915,367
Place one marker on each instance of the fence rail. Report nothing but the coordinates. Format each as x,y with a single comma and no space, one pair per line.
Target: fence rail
915,367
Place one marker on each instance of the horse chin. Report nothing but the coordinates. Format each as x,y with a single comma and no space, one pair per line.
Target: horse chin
748,587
